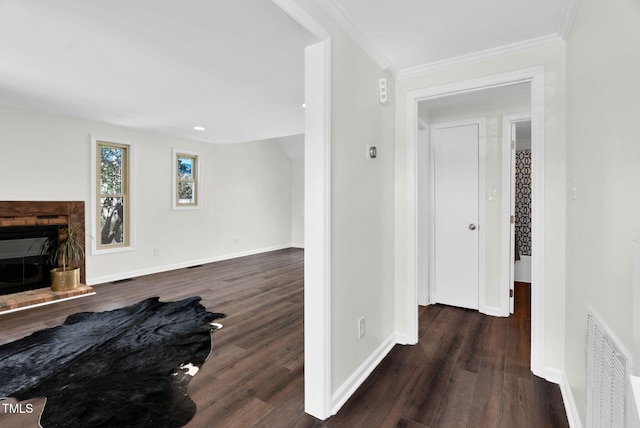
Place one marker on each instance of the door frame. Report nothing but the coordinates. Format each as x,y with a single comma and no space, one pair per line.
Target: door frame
534,76
481,122
508,201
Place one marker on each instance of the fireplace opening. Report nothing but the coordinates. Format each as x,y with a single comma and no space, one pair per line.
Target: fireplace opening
23,267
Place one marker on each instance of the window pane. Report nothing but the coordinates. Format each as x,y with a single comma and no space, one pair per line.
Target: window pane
111,170
186,192
185,167
111,221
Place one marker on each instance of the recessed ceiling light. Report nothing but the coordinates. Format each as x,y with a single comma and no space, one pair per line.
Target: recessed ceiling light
199,128
304,105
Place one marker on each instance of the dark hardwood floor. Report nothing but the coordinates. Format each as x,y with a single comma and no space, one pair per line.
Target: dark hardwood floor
468,370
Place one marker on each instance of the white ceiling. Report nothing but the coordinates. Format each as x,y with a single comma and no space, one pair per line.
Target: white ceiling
478,96
234,67
406,34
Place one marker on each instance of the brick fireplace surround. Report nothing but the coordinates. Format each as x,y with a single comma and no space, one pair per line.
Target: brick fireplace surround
34,213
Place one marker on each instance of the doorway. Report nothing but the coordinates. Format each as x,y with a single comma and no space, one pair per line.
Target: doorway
495,301
517,136
491,263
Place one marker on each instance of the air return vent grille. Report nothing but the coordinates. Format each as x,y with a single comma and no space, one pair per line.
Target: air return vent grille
606,377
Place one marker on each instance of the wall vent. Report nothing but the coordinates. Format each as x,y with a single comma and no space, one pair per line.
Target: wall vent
607,371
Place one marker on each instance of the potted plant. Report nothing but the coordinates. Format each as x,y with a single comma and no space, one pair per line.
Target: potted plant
66,253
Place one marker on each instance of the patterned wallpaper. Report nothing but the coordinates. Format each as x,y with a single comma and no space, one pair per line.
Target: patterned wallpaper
523,201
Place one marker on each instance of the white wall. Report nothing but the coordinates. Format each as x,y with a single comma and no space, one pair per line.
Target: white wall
603,155
552,58
362,214
246,191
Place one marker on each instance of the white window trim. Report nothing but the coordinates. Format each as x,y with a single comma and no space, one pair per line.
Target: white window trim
174,200
95,251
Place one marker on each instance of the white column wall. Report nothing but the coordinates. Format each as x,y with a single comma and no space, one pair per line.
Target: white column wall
603,159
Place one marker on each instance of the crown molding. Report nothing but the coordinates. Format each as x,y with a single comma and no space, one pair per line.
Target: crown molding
337,12
567,18
474,57
298,14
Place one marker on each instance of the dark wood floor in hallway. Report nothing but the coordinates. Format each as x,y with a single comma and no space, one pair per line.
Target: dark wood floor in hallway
468,370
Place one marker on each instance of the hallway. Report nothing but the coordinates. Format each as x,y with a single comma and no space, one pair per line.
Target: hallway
468,370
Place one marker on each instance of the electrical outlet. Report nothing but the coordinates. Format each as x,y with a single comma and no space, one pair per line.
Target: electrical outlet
362,328
156,252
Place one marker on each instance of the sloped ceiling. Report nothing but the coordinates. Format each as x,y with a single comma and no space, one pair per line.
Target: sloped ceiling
232,67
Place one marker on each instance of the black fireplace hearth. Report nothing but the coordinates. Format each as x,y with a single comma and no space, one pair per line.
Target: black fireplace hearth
22,266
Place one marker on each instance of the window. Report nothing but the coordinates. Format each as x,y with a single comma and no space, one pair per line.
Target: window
186,180
112,196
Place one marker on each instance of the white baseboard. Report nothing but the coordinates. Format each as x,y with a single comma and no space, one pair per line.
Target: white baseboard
494,311
634,401
158,269
559,377
360,375
569,403
297,246
403,339
553,375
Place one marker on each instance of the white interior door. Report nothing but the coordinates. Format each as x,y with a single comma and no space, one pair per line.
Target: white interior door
455,214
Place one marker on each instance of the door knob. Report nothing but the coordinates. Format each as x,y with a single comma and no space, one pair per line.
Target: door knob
472,226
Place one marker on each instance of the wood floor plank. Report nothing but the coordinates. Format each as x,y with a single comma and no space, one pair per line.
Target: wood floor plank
382,397
288,397
253,412
406,423
486,405
454,408
405,384
442,345
455,405
288,418
518,402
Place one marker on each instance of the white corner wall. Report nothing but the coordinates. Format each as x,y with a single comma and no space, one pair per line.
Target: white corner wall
552,58
361,200
603,159
246,191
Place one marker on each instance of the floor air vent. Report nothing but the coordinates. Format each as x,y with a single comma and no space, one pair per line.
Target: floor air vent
607,369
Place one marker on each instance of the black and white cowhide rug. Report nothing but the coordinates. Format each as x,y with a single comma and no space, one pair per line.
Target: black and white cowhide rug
123,368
